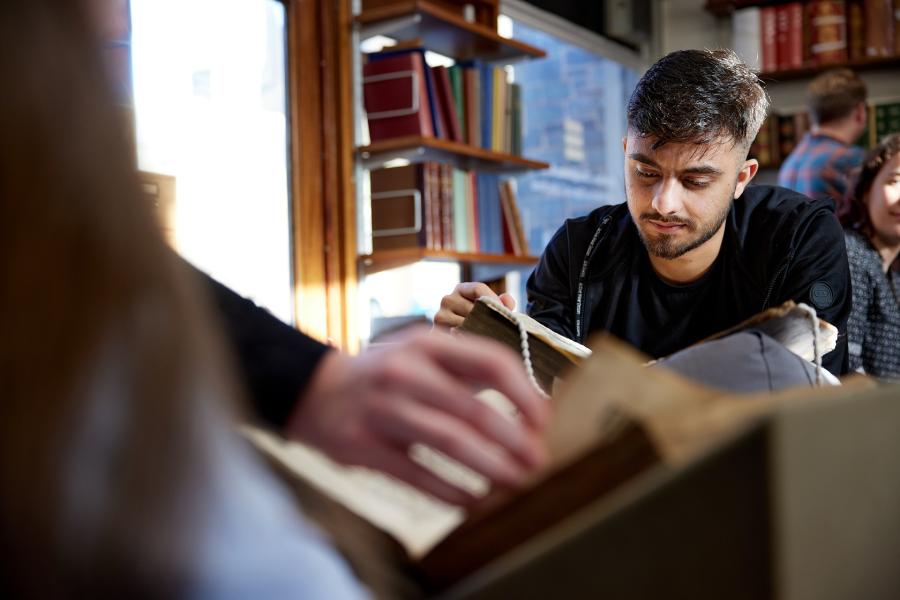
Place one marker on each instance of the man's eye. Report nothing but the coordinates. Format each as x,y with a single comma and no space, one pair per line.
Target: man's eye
696,183
645,174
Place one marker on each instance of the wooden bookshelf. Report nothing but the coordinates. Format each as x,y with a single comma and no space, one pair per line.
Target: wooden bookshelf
442,31
464,156
391,259
868,64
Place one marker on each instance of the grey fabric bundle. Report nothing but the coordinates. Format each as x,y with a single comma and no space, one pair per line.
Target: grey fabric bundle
744,362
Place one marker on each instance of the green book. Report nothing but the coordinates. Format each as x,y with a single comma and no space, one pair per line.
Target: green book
456,88
516,91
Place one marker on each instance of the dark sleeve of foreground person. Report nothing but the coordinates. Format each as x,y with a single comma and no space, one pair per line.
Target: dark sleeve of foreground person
276,360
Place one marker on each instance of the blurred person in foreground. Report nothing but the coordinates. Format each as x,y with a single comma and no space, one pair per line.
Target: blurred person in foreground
824,160
871,219
120,469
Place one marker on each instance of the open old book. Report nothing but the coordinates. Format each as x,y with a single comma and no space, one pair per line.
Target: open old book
613,420
552,354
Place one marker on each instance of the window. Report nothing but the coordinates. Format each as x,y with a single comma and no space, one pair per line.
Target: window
574,106
211,110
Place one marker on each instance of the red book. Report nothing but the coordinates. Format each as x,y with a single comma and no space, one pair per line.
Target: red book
433,174
446,176
828,26
398,197
879,28
856,29
768,30
449,118
897,27
795,35
510,240
782,38
395,94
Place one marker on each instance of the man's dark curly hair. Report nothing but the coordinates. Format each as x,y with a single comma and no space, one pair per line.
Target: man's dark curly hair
854,210
698,97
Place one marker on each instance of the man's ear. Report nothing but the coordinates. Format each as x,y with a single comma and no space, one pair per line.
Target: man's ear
624,144
745,175
861,113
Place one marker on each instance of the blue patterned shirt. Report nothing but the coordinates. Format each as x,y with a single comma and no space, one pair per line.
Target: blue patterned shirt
820,167
873,330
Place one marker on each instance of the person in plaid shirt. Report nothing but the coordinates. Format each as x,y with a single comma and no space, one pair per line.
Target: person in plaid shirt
822,163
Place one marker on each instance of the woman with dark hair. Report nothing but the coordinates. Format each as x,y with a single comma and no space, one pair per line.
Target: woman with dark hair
871,219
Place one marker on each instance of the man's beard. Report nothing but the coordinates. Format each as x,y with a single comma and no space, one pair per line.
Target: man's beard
667,246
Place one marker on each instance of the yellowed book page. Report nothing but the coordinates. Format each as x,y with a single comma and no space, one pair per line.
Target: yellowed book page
414,519
572,349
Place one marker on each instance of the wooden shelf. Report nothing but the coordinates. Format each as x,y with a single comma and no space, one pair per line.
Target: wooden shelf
442,31
867,64
464,156
390,259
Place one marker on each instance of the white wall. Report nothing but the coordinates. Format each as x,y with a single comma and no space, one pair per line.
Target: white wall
686,24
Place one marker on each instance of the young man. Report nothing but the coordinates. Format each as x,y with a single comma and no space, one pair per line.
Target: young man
821,164
694,250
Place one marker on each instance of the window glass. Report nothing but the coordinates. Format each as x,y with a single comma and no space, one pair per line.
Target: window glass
573,106
210,108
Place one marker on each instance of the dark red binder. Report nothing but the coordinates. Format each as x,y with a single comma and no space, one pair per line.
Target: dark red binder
395,93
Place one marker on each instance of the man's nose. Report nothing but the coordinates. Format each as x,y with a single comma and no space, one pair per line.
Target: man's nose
667,200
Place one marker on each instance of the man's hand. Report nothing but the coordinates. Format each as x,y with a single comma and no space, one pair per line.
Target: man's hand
369,409
456,306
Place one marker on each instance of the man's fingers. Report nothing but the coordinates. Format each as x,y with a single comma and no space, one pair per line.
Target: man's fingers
473,290
405,422
508,301
425,381
447,318
456,304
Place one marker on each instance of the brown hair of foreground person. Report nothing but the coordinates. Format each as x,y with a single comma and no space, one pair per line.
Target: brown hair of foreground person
91,298
107,348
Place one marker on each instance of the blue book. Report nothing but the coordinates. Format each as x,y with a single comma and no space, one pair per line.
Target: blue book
483,241
490,216
496,214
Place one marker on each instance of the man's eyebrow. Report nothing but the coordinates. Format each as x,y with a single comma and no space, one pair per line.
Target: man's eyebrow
703,170
699,170
643,158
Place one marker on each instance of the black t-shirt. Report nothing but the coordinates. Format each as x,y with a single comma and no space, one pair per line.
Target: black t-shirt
778,245
665,314
661,318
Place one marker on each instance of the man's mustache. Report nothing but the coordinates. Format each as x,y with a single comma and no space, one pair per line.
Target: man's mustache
655,216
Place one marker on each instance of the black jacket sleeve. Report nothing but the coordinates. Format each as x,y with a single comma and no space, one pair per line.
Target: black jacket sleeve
550,298
276,360
818,274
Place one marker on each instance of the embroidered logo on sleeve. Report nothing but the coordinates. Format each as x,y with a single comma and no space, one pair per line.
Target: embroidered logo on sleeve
821,295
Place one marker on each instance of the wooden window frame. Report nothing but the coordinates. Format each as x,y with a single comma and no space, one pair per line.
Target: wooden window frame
323,211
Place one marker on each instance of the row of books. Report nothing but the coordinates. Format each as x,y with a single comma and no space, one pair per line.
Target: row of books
439,207
469,102
816,33
780,133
